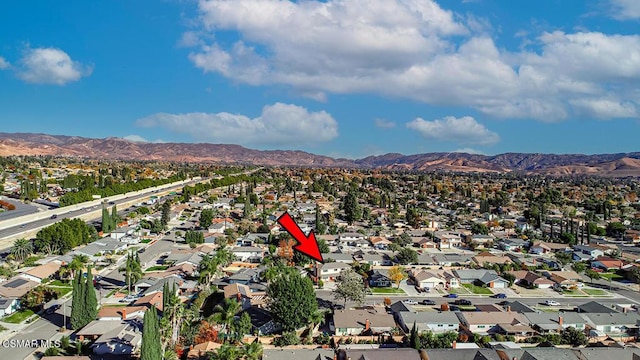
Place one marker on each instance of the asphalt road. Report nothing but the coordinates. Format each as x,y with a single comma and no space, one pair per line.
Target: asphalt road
20,210
95,212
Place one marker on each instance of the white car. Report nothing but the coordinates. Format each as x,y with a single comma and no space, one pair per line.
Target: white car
410,302
551,303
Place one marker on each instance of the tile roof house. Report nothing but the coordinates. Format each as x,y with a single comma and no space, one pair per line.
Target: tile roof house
362,321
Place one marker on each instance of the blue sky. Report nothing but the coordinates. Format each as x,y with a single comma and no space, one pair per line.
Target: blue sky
346,78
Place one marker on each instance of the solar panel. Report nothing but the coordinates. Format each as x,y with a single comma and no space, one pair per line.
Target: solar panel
15,283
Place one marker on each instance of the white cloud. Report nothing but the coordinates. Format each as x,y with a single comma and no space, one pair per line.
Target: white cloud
468,151
4,64
384,124
50,66
278,125
626,9
413,49
464,130
135,138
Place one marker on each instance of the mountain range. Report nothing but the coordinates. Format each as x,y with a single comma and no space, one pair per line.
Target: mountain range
613,165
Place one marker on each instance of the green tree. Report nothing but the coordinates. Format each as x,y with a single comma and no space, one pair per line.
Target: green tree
22,249
242,325
397,274
573,337
292,299
563,257
115,219
78,301
615,229
90,301
407,256
206,217
349,286
414,340
252,351
352,210
151,348
578,267
480,228
166,212
106,221
131,269
225,313
592,275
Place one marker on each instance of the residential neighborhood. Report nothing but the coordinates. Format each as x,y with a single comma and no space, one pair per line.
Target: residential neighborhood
413,264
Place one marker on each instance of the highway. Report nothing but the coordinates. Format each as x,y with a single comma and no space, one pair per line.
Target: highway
88,213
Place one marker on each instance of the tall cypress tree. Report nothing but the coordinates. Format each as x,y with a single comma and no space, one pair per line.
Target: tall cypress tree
106,221
78,302
414,340
90,300
151,348
114,216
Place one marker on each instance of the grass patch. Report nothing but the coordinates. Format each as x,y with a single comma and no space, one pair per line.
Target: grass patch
459,291
62,291
2,328
59,283
594,292
157,268
474,289
19,316
611,276
572,292
386,291
145,241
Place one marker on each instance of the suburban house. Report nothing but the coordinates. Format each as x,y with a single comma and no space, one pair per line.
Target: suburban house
379,278
16,286
338,257
591,252
373,258
607,263
436,322
379,354
481,277
8,305
546,322
563,278
116,337
429,280
298,354
362,321
487,257
513,244
351,237
486,323
530,279
380,243
447,240
251,254
329,271
615,325
42,272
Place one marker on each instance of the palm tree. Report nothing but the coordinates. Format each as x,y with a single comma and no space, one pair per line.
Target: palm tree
131,269
252,351
78,263
65,272
316,318
224,314
21,249
226,352
207,269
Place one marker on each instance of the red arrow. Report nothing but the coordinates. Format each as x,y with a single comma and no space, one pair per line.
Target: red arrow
306,244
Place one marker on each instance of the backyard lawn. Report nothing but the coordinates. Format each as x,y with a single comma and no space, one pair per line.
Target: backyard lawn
18,316
157,268
477,289
386,291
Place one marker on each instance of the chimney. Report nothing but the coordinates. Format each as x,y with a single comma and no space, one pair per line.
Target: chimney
335,356
454,344
367,325
124,314
239,297
625,309
509,308
560,321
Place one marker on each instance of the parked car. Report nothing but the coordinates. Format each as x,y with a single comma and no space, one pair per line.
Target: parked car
462,302
410,302
451,296
427,302
551,303
500,296
54,216
53,308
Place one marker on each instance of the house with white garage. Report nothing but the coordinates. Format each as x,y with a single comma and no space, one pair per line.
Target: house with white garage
252,254
330,271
